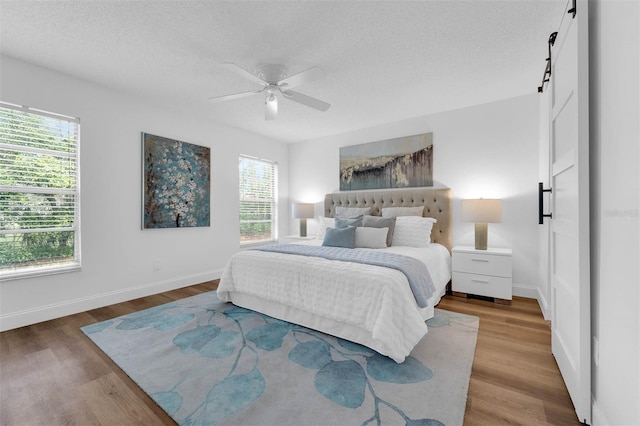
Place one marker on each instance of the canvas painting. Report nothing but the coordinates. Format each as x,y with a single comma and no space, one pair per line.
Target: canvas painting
176,183
393,163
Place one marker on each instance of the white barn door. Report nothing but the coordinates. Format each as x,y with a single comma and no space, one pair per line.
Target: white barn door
569,240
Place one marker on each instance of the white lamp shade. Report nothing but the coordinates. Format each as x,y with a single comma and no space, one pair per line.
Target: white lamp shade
302,210
482,211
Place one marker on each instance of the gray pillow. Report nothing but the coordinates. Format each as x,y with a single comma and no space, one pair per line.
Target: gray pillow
352,221
381,222
340,237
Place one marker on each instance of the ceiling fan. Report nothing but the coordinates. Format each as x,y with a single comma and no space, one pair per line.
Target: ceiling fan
274,82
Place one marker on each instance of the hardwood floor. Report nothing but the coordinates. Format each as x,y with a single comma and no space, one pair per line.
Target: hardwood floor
514,379
51,374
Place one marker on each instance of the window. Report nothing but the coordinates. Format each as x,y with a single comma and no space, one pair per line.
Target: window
258,200
39,192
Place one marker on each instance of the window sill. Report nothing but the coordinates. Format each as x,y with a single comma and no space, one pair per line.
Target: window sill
39,272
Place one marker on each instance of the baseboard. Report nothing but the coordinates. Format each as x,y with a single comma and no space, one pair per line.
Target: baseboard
532,292
545,306
523,290
74,306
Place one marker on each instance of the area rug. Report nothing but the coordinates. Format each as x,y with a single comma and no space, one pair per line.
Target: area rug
207,362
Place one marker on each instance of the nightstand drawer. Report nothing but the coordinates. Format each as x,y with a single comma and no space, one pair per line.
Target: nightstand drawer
483,264
486,285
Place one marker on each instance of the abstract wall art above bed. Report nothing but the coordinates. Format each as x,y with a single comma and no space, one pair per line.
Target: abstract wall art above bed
392,163
175,183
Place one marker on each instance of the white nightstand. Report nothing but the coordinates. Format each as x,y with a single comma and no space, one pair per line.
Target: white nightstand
295,238
482,272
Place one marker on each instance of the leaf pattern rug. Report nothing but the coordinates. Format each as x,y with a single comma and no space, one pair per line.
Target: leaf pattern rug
207,362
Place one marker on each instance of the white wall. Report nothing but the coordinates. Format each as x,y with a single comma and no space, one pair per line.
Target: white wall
485,151
117,256
615,201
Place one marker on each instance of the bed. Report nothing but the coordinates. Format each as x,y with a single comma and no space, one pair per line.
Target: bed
368,304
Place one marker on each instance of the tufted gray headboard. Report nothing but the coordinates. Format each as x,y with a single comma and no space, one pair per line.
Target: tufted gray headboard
437,203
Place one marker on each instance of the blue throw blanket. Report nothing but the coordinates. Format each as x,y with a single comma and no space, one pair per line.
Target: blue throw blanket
416,272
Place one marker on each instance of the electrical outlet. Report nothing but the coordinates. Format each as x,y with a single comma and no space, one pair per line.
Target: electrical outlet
156,265
595,351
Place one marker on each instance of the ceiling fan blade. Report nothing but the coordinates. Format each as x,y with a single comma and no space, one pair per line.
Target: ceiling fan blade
306,100
234,96
243,73
270,106
306,76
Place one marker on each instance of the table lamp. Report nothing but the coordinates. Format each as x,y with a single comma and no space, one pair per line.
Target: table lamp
303,211
481,212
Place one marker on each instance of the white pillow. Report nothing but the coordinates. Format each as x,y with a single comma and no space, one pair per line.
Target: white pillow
324,223
402,211
350,212
413,231
367,237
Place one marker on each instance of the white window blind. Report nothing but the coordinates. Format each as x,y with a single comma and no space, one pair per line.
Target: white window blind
258,200
39,192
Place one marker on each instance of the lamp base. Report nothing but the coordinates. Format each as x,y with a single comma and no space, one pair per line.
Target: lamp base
481,236
303,227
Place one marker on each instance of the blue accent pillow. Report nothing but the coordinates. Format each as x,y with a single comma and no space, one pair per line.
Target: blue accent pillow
340,237
351,221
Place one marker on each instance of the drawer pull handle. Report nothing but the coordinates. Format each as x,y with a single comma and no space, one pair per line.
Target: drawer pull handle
480,260
480,281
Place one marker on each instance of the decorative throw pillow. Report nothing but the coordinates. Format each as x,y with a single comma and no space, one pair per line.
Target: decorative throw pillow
324,223
402,211
381,222
340,237
374,238
349,212
413,231
344,222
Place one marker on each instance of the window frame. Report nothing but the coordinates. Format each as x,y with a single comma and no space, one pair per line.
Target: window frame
53,267
273,201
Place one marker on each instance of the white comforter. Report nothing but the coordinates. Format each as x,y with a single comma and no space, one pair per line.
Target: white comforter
367,304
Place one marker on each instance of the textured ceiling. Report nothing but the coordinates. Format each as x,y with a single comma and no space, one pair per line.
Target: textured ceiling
384,61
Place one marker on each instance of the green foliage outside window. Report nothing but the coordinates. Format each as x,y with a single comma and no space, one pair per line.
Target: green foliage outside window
38,195
257,200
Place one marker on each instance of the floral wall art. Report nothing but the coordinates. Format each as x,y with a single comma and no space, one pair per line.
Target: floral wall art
176,183
392,163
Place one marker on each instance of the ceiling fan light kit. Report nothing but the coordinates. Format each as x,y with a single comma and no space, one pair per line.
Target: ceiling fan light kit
274,80
270,107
